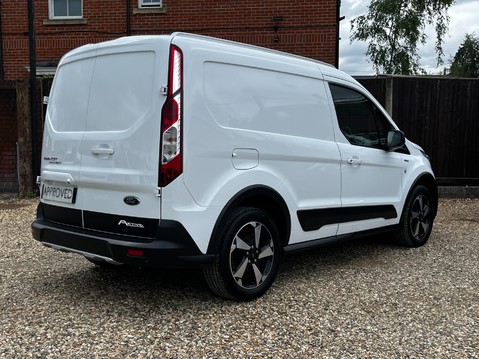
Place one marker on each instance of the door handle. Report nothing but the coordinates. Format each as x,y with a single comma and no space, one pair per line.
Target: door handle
102,150
354,161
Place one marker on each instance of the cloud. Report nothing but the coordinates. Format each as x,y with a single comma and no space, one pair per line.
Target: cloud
463,20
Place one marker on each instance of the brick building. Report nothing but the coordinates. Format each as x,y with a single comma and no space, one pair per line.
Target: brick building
304,27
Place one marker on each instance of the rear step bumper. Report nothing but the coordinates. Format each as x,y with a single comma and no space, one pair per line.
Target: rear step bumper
173,246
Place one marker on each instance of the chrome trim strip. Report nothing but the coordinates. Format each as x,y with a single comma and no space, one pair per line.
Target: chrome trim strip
85,254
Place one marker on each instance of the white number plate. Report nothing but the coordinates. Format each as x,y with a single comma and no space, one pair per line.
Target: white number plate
65,194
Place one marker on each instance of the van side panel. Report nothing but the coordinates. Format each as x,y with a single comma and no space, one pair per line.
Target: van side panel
262,100
256,120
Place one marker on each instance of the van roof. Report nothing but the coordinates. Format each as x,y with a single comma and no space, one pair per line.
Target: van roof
230,42
326,69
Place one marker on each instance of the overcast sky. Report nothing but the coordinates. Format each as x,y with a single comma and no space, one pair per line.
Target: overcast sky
463,19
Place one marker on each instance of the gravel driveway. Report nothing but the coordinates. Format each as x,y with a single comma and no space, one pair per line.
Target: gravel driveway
366,299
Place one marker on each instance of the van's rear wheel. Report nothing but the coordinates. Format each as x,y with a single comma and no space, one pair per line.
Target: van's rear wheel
248,258
418,217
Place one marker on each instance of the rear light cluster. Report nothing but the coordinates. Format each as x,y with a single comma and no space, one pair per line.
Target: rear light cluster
171,114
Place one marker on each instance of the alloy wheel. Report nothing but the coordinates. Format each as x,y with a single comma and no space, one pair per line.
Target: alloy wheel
421,217
251,255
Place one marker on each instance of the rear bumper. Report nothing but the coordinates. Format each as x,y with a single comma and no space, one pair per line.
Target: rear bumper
172,247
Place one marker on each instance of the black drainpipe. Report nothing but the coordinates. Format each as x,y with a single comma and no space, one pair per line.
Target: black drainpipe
33,91
1,44
128,18
338,20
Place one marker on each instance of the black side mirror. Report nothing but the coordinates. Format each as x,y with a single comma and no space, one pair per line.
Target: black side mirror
395,140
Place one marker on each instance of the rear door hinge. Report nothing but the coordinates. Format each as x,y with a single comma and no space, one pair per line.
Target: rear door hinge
164,90
158,191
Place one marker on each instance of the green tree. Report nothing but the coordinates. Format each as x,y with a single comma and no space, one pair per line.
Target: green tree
466,59
395,28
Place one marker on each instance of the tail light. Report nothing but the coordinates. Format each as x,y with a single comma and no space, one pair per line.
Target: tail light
171,159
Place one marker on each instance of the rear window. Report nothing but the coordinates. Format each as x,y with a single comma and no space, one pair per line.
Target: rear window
106,93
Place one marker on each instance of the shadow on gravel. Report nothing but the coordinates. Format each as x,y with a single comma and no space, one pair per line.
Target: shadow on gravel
10,206
132,291
362,249
166,289
331,263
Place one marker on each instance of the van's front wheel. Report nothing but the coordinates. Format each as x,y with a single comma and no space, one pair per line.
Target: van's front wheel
248,257
418,218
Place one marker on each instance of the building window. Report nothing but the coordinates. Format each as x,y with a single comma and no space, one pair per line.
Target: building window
149,3
66,9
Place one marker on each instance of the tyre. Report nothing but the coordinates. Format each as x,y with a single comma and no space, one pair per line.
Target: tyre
417,219
248,256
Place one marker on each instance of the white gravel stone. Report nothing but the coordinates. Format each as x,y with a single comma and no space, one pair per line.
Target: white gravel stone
363,299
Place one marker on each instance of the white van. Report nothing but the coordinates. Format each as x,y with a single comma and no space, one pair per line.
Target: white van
185,150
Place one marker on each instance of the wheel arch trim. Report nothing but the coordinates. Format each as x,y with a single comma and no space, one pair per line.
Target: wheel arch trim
427,180
249,197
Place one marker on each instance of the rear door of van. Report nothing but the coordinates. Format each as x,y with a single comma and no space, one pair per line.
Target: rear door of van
102,137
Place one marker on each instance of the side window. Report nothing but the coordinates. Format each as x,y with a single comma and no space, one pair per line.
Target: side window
65,9
361,122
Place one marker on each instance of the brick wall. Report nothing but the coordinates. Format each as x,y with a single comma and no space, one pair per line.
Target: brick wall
8,136
308,28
